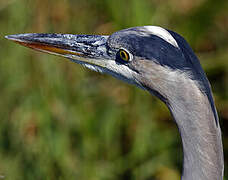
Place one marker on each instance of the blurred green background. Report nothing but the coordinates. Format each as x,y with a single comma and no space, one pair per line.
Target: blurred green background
61,121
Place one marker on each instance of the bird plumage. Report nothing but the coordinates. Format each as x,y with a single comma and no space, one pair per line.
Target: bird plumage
162,62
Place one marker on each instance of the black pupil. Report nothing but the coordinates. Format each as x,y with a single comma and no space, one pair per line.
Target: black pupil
123,55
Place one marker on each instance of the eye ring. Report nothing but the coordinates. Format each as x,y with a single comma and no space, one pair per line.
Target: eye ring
124,55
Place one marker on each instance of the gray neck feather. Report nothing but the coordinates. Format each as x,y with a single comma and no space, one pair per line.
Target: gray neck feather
191,109
201,138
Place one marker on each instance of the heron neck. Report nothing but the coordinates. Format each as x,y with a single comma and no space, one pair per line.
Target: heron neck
201,136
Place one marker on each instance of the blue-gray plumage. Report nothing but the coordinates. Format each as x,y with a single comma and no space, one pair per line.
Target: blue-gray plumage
162,62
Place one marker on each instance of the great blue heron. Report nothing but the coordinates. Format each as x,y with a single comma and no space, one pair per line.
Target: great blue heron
161,62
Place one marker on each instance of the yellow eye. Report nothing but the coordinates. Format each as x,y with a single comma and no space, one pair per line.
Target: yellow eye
124,55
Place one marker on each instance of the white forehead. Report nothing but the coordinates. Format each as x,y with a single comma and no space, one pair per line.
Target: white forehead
162,33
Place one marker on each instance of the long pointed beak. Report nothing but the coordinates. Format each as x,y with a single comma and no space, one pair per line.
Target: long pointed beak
89,49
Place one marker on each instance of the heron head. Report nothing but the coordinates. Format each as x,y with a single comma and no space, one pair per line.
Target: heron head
150,57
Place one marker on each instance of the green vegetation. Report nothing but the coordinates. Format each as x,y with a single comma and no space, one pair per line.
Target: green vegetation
61,121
